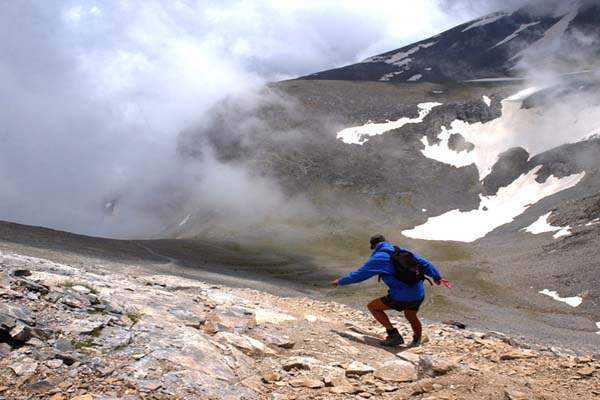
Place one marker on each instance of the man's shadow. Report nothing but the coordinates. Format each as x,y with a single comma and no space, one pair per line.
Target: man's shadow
370,340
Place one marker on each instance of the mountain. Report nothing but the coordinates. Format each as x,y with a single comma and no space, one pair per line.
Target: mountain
525,42
496,180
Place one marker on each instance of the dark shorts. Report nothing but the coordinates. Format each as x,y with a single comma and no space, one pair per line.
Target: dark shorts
401,305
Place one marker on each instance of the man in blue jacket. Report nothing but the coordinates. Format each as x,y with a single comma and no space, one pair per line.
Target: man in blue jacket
401,296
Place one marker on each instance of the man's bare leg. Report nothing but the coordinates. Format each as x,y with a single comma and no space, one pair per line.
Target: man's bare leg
376,308
415,324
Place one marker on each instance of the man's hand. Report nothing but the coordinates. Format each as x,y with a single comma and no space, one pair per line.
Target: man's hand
445,282
335,283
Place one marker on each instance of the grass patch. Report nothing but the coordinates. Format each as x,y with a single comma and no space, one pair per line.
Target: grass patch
133,317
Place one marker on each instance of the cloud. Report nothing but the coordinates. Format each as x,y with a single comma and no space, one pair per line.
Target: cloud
96,93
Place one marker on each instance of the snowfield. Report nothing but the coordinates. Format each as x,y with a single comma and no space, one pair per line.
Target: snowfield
495,137
494,211
360,134
542,226
572,301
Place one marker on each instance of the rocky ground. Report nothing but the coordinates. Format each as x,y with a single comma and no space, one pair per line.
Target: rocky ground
90,333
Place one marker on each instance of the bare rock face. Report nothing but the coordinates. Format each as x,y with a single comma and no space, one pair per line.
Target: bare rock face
510,165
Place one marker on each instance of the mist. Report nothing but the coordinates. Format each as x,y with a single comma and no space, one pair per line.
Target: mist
96,94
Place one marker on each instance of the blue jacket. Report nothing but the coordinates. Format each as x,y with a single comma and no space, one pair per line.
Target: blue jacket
380,264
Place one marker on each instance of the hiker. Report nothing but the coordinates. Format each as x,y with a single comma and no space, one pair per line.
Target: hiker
401,296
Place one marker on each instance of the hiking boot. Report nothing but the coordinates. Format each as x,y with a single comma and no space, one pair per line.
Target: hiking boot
416,342
393,339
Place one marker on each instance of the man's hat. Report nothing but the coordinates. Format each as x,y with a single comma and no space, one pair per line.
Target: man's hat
376,239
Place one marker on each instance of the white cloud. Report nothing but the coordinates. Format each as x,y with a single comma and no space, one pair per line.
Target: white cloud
95,94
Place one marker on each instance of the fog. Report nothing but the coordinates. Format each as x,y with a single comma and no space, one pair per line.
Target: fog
95,94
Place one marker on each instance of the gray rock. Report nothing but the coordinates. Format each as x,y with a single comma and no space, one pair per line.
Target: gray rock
17,311
76,300
41,387
397,371
21,332
54,363
187,317
4,280
24,367
5,349
64,345
298,363
31,285
35,342
307,382
114,337
434,366
358,368
279,341
409,356
84,327
7,323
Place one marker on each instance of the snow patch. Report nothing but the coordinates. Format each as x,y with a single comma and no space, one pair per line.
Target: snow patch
566,231
485,21
494,211
594,222
492,138
415,78
542,225
443,153
514,34
360,134
184,221
572,301
487,101
598,326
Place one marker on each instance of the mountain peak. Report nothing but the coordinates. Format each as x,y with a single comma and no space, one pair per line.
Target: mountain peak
555,38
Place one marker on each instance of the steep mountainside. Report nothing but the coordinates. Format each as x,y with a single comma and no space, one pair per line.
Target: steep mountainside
525,42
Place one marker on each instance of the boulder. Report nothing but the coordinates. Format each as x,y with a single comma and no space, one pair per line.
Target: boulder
358,368
21,332
396,371
307,382
262,316
41,387
24,367
246,344
19,312
187,317
435,366
408,356
299,363
275,340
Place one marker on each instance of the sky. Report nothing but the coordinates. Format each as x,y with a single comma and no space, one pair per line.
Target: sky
96,93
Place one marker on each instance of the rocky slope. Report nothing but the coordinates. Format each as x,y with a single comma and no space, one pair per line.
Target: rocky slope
556,36
91,333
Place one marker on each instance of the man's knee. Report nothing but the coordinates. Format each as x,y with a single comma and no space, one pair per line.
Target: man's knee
374,305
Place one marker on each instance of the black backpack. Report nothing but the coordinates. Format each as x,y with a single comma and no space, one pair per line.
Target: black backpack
408,269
